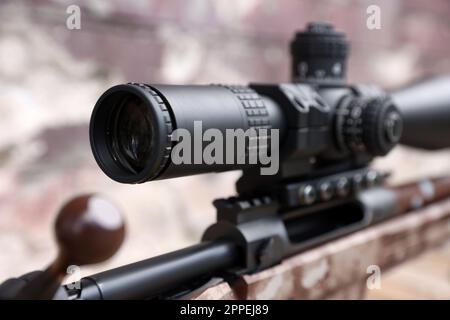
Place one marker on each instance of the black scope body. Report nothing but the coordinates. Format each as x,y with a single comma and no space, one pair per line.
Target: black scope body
316,125
133,125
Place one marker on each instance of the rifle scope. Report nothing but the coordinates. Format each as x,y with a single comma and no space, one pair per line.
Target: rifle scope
132,124
321,123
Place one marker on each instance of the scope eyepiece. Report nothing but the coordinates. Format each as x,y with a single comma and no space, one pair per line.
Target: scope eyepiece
130,133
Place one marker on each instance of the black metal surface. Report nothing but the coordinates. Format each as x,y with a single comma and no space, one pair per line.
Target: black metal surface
147,278
240,248
425,109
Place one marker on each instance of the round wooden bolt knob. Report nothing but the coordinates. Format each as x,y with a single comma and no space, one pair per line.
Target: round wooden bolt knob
89,229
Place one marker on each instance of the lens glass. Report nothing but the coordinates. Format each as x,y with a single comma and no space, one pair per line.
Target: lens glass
131,133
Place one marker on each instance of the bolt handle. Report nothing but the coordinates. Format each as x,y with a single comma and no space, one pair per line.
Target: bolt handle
88,229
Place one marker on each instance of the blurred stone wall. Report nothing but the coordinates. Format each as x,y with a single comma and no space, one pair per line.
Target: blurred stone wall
50,78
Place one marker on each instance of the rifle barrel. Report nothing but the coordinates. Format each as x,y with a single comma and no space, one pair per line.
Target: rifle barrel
160,274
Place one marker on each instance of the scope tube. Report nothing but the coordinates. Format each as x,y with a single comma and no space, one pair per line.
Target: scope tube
132,126
425,109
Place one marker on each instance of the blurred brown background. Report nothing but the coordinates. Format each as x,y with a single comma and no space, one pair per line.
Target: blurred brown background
50,78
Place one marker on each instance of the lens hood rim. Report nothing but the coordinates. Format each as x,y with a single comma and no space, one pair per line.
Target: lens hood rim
162,144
